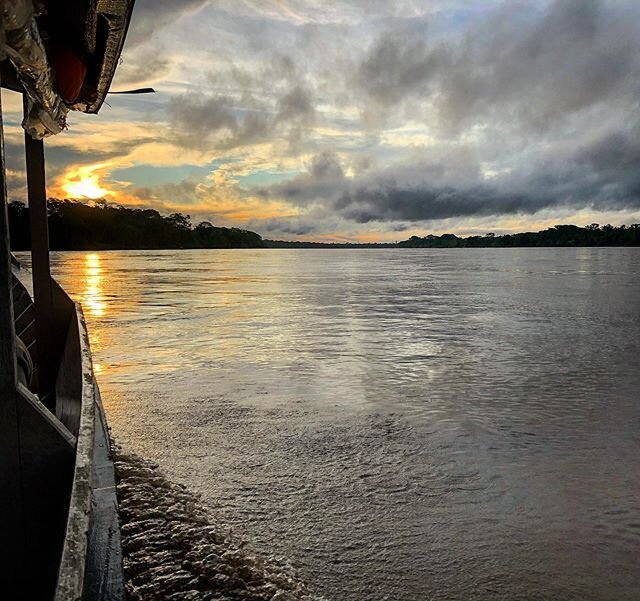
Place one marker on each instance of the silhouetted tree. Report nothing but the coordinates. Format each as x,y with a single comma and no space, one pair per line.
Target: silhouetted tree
559,235
77,226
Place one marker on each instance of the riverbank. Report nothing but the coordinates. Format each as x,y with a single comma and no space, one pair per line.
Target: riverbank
75,225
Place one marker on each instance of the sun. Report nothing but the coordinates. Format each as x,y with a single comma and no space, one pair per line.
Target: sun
85,188
84,183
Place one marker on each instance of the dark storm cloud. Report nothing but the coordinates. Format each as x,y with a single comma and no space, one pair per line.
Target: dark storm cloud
396,68
292,226
226,122
14,155
60,157
384,196
511,67
613,162
323,181
391,202
296,104
216,121
577,56
602,175
555,93
202,116
529,106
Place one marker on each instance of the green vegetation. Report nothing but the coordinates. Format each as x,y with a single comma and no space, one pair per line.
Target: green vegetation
560,235
74,225
305,244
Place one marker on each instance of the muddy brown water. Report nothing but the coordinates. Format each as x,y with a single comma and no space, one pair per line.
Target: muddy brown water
398,424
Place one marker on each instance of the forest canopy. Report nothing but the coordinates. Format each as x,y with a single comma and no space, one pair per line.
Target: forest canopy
559,235
74,225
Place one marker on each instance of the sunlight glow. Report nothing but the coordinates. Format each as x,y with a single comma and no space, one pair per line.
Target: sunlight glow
93,295
84,183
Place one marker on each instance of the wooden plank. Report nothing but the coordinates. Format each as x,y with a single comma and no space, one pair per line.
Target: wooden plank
43,298
11,520
104,577
71,576
69,382
53,424
47,452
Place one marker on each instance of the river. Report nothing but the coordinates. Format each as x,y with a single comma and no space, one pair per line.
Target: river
400,424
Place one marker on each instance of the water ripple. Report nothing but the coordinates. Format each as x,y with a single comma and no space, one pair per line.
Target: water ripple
403,425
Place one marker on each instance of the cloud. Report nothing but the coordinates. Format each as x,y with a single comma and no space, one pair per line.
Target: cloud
201,118
142,68
450,183
349,117
225,122
292,227
528,111
296,105
217,199
611,165
149,16
323,181
303,12
396,68
533,70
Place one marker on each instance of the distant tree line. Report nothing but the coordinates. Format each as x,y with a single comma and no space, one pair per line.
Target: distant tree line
74,225
305,244
560,235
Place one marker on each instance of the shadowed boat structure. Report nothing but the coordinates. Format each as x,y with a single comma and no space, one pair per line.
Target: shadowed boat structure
58,509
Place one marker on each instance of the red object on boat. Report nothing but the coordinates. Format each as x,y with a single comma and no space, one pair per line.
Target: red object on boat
69,71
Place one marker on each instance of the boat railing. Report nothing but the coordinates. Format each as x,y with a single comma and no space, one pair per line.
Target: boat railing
51,427
76,403
58,451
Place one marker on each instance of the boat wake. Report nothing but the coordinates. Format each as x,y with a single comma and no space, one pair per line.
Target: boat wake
175,551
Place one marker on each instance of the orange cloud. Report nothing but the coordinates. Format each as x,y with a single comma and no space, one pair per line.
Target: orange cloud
217,198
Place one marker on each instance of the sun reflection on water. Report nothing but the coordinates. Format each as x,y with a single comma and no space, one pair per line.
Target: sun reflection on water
93,294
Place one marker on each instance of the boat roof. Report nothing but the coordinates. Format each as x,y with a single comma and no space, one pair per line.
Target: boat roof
35,31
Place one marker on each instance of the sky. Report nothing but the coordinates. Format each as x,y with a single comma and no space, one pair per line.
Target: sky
365,120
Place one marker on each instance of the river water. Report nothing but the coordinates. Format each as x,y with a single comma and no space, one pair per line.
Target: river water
400,424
